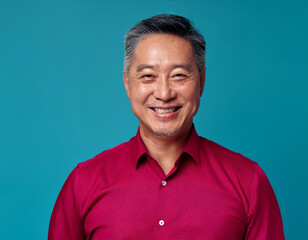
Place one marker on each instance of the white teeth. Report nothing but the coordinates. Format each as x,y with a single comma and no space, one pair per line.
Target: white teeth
164,110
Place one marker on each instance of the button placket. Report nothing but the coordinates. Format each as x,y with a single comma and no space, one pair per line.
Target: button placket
161,222
160,217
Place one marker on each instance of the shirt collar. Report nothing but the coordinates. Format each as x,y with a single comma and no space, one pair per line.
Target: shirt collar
192,145
138,149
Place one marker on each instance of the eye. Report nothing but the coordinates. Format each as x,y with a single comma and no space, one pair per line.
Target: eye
147,77
179,76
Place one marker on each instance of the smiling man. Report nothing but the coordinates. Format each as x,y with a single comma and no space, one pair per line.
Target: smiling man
166,182
164,85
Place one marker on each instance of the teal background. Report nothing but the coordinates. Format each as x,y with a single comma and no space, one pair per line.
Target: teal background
62,100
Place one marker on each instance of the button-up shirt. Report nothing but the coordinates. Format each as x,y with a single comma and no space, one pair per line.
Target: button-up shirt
211,193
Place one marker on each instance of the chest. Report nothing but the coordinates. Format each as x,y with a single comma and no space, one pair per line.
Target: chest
178,207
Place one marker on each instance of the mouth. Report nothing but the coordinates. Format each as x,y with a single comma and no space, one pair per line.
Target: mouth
165,110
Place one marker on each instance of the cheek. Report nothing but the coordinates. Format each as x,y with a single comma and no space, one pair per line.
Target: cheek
191,97
139,94
190,94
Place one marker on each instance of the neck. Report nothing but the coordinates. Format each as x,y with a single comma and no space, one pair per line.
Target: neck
165,150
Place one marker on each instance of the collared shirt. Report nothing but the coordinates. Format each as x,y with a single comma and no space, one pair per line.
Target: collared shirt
211,193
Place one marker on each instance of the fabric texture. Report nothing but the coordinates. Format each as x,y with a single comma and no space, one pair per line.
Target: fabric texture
211,193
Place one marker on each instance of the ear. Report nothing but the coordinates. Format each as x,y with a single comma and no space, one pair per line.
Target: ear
202,80
125,81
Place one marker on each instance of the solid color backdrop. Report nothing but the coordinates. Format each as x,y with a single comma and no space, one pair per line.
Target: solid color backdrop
62,100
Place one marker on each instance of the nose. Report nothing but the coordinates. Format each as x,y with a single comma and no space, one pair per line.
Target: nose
163,90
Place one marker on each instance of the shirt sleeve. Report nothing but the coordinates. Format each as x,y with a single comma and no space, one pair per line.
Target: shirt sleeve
66,221
264,218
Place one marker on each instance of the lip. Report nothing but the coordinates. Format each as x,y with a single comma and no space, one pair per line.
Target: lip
166,116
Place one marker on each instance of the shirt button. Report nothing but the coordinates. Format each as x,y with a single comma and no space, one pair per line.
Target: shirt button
163,183
161,222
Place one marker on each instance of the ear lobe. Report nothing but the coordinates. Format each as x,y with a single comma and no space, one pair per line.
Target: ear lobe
125,81
202,81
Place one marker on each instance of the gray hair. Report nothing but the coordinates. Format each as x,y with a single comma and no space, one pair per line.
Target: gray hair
164,24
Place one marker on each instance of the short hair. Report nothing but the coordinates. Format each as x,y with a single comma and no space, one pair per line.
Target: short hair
165,24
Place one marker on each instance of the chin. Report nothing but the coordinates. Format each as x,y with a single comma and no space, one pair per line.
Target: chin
165,132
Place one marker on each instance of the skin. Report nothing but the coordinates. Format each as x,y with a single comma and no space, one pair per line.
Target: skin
164,86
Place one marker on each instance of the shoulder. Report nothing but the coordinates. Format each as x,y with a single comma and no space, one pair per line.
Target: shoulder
232,163
104,158
101,170
240,175
105,166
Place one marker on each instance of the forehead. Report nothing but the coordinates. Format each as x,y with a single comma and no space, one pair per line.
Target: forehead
163,49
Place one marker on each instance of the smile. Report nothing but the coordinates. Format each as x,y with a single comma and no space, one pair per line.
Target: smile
165,110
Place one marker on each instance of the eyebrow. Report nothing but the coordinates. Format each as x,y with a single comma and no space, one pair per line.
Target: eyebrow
143,66
185,66
188,67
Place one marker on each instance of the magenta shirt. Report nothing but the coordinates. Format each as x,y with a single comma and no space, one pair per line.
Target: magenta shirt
211,193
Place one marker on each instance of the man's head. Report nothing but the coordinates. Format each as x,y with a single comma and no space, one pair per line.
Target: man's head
165,24
163,78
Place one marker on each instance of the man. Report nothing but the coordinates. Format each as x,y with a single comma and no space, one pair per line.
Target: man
166,182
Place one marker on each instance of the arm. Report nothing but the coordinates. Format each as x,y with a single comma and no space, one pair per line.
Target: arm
264,219
66,221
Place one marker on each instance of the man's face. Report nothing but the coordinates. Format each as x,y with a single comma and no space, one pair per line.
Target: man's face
164,85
